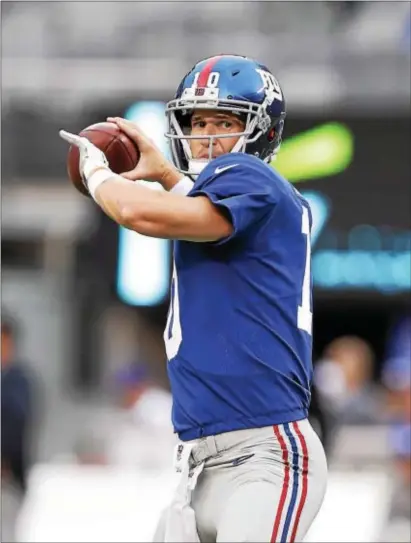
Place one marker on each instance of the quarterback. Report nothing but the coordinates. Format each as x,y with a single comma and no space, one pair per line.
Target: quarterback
238,335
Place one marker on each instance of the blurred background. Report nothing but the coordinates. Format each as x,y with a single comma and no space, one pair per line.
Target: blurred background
86,435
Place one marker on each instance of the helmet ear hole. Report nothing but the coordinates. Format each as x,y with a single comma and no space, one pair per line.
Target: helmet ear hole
271,135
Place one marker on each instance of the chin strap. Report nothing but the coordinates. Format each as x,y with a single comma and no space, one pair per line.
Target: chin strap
196,166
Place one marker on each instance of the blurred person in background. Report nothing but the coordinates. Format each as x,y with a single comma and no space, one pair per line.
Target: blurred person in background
320,418
397,367
135,430
17,419
397,380
146,415
146,402
344,378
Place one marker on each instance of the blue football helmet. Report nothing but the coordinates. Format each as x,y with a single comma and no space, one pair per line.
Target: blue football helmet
230,83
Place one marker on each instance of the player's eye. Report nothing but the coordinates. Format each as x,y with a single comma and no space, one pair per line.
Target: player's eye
199,124
225,124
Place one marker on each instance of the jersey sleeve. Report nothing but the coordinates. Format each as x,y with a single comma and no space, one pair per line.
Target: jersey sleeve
245,190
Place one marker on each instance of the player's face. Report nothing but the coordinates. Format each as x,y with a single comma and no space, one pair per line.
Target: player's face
206,122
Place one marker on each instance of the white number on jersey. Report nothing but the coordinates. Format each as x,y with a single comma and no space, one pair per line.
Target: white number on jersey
172,333
271,86
305,316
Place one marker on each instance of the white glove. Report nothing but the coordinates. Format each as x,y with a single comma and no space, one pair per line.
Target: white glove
91,157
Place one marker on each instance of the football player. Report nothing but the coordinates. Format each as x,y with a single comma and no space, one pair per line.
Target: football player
238,334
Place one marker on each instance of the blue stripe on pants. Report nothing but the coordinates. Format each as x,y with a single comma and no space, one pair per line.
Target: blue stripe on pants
294,494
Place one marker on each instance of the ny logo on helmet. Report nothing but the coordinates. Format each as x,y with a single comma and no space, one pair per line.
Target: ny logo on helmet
271,86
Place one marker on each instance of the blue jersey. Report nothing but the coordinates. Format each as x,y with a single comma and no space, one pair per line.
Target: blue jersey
238,334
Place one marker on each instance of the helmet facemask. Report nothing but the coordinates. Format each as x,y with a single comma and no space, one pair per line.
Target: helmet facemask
179,112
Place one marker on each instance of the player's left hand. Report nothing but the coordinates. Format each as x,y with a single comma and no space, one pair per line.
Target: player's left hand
91,158
153,165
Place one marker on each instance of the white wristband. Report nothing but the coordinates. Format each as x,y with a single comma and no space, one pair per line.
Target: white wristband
98,178
183,187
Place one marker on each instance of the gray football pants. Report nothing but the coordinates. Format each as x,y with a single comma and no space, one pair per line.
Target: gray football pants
259,485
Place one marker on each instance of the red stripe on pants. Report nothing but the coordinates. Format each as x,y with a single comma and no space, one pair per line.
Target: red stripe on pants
285,484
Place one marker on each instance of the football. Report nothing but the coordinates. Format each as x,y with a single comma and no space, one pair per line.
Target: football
121,152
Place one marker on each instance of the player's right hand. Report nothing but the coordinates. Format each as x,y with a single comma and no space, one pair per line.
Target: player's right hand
90,157
153,165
